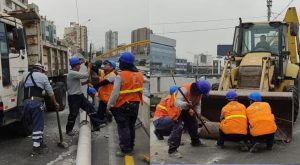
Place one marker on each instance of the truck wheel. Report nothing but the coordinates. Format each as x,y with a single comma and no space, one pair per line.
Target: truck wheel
24,127
60,95
291,88
215,86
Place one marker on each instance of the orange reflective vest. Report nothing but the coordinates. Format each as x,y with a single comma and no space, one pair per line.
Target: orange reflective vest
104,92
235,119
131,87
167,108
261,119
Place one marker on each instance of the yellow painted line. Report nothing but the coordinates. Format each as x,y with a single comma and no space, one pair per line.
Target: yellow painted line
128,160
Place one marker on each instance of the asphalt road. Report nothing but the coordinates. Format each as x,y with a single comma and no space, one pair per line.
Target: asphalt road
282,153
15,150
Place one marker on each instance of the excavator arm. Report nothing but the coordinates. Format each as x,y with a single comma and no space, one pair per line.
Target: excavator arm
291,18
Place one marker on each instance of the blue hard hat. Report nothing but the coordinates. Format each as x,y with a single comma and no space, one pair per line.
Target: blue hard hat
255,96
111,62
127,57
74,60
203,86
231,95
91,90
173,89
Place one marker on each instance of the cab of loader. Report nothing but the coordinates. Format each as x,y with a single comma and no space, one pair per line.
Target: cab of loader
263,40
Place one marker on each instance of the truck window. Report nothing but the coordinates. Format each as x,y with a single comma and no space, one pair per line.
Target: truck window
4,56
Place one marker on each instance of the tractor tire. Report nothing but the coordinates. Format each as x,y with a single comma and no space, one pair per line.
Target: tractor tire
215,86
291,88
24,127
60,96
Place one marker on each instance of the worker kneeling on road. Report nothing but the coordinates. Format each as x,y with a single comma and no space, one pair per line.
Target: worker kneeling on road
124,101
233,126
166,114
261,122
35,83
76,98
106,79
193,93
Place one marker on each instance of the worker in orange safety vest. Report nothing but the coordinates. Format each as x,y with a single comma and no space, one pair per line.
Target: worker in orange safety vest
166,114
261,122
233,126
124,101
105,86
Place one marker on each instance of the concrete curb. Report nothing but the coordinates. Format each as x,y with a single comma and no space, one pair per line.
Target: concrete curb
84,151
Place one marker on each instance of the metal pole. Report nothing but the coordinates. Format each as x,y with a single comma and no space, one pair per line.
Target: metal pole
269,5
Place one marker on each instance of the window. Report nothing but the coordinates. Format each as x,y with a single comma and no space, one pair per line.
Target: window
4,56
260,37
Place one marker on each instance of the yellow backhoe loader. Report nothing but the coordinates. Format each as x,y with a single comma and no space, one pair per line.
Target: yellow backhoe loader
264,58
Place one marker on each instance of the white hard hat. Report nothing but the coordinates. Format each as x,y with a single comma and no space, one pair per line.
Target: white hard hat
38,66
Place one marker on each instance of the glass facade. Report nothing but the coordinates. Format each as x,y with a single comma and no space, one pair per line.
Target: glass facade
162,58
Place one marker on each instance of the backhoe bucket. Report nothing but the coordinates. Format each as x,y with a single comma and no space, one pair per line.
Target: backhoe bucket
280,102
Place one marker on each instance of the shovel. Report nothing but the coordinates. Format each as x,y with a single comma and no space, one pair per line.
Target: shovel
61,143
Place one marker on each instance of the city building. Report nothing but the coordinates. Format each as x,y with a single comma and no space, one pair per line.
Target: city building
48,30
181,66
202,64
140,34
111,40
207,64
162,54
76,35
11,5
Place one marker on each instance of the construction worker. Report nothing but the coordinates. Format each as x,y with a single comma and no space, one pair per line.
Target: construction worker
76,98
124,101
233,126
193,92
35,82
263,44
261,122
106,80
166,114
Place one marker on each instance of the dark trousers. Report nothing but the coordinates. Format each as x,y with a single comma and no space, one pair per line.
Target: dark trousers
102,114
192,125
75,103
230,137
268,139
35,108
164,125
125,117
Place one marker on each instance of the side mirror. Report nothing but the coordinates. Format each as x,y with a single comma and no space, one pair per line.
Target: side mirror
285,54
293,29
19,38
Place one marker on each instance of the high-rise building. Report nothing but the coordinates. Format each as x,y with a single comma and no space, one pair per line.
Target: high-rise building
11,5
162,54
111,40
140,35
76,35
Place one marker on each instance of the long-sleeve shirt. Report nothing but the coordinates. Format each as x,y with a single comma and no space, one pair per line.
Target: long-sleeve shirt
181,103
74,83
116,91
41,81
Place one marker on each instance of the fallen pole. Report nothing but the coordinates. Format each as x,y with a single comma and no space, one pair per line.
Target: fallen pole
84,151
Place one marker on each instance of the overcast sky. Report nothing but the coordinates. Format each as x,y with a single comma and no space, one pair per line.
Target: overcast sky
126,15
170,11
118,15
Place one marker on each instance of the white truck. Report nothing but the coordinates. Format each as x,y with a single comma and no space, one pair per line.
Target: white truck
21,46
